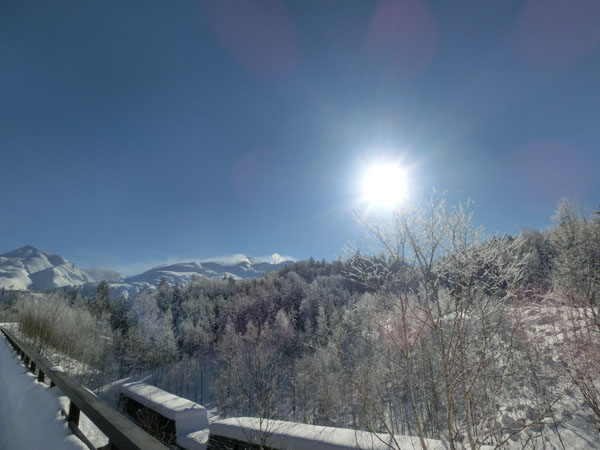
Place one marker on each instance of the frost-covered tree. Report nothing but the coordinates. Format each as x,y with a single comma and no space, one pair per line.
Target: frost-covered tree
252,375
443,324
322,307
576,282
576,237
197,336
119,311
100,304
149,343
69,334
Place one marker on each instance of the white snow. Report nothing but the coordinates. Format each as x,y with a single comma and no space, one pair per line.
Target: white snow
191,421
297,436
30,417
183,273
572,423
30,268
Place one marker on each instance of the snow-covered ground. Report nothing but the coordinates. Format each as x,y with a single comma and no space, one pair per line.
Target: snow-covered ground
30,412
571,423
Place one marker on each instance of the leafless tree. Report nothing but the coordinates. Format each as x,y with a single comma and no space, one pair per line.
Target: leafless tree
251,376
447,323
576,283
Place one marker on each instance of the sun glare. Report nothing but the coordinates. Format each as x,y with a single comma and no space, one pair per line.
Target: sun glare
384,185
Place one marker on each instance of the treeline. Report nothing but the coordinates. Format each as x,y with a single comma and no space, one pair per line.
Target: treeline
436,334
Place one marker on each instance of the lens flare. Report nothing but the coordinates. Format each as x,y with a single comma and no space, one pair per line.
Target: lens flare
385,185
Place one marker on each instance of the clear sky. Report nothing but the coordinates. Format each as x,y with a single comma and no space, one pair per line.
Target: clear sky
138,132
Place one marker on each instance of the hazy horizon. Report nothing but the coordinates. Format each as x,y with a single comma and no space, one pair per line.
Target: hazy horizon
139,132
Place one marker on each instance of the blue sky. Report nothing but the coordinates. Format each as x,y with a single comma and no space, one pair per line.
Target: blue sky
136,132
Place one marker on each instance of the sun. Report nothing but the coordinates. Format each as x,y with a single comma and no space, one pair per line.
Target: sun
384,185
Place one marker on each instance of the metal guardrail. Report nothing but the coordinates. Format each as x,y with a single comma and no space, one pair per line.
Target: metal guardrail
121,432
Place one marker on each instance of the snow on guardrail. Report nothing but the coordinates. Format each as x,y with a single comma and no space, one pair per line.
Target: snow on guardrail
298,436
191,420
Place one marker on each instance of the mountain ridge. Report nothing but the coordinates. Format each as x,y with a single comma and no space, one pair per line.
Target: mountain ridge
28,268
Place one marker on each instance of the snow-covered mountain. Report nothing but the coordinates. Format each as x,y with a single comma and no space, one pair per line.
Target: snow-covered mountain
29,268
185,272
182,273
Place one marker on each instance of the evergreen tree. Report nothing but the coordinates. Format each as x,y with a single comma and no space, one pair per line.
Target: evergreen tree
101,301
163,295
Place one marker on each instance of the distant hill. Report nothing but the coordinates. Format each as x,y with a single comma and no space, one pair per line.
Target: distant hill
29,268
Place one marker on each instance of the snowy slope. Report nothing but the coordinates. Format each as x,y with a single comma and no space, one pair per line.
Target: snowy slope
184,272
33,269
104,274
30,417
30,268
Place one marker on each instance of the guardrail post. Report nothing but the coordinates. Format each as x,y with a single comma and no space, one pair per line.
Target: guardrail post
41,376
73,413
33,367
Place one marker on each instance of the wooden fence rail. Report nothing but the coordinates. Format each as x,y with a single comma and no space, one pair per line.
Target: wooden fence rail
121,432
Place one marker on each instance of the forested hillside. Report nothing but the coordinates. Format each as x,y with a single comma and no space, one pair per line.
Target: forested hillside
437,331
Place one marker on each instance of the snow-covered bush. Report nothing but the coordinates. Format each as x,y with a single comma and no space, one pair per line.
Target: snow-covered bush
57,327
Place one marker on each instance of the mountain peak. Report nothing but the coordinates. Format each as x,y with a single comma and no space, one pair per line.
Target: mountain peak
30,268
26,251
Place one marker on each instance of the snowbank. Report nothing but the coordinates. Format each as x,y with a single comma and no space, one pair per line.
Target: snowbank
191,422
297,436
30,415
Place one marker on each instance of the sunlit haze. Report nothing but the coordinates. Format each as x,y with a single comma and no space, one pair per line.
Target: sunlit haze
139,132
